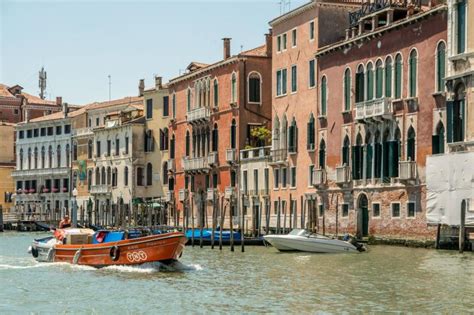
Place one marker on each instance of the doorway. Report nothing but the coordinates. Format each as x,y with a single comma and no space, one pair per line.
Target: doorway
363,215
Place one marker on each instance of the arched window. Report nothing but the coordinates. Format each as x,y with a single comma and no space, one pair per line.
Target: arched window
388,77
368,155
322,154
50,157
398,76
139,176
188,143
254,86
164,141
90,149
360,82
43,157
58,156
310,134
293,137
216,93
233,135
411,136
413,72
276,133
97,176
347,90
378,79
358,158
346,147
395,152
455,115
215,139
109,176
440,66
377,155
233,88
29,158
35,164
68,155
89,180
461,25
172,146
283,133
114,177
438,139
74,151
173,105
149,174
165,173
21,159
103,177
188,99
171,183
125,176
323,96
370,81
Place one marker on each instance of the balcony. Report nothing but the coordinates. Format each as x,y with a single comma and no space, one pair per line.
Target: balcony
171,165
196,164
82,132
255,154
211,194
101,189
58,171
342,174
212,159
279,156
319,177
169,196
377,109
229,192
407,170
198,115
183,194
231,156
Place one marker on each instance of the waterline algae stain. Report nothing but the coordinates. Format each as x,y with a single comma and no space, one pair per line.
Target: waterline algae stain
386,279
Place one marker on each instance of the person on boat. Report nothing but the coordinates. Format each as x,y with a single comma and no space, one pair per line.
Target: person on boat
65,222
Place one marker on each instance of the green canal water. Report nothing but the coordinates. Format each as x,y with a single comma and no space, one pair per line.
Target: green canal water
385,279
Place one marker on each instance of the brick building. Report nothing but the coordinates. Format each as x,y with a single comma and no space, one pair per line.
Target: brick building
214,108
377,95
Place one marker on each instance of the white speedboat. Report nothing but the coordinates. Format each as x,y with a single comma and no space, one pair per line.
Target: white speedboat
302,240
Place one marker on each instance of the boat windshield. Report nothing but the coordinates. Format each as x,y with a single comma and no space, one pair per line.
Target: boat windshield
299,232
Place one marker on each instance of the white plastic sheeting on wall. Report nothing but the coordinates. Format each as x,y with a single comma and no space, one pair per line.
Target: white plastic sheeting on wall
449,181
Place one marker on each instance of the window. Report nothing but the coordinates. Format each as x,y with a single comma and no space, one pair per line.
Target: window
50,131
188,143
438,139
411,144
323,96
149,108
215,138
311,30
388,77
440,66
312,76
281,82
166,106
321,210
245,181
216,93
378,79
114,177
109,147
174,105
29,158
347,90
188,99
21,159
35,164
43,157
233,135
266,175
21,134
413,72
126,145
139,176
398,76
164,139
284,41
67,129
35,133
74,151
97,122
172,146
358,158
59,130
395,210
294,79
125,176
360,82
293,38
43,132
411,209
89,180
150,140
29,133
461,26
310,175
276,178
284,177
234,88
58,156
310,135
293,177
50,157
117,147
254,88
376,209
293,137
233,178
346,147
322,154
165,173
97,148
149,174
370,82
345,210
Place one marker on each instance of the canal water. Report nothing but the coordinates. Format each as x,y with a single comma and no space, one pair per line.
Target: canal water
386,279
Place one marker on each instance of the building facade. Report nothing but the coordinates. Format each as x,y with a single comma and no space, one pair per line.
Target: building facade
7,165
377,96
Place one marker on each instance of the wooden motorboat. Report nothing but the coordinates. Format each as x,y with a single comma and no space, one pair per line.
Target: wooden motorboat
86,247
305,241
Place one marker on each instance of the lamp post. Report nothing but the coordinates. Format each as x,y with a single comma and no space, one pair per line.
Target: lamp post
74,207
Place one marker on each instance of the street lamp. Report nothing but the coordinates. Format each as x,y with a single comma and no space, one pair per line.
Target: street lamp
74,207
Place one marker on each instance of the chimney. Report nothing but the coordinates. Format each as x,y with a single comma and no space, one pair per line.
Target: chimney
226,47
158,82
268,43
141,87
59,100
65,109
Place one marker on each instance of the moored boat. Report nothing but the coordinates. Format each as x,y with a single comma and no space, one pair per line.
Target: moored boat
305,241
105,248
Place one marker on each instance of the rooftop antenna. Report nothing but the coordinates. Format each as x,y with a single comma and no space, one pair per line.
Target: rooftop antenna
110,87
241,48
42,83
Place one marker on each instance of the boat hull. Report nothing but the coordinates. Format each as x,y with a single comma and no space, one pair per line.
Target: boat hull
309,244
154,248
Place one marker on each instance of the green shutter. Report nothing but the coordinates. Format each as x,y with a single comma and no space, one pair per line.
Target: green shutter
441,67
323,97
461,27
369,161
449,117
413,69
379,82
398,79
388,80
370,84
378,159
347,91
354,168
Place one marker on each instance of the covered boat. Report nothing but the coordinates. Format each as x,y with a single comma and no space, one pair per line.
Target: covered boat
305,241
105,248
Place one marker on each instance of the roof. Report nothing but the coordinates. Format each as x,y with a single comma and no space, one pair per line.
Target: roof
58,115
130,100
260,51
32,99
194,65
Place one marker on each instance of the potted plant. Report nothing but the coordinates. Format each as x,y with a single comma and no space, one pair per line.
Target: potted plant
54,190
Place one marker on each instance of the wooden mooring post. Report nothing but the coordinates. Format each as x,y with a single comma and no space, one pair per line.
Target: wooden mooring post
242,225
303,212
231,225
267,214
213,220
222,222
1,219
192,221
278,216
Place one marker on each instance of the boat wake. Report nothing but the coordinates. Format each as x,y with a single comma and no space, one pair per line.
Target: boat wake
154,267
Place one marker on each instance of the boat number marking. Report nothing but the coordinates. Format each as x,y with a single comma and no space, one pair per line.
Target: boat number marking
137,256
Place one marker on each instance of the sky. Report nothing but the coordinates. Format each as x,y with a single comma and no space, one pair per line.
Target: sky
80,43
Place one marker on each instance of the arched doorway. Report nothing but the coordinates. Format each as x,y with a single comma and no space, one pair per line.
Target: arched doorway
363,216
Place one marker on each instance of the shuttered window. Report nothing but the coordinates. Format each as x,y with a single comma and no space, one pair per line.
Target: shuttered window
360,78
370,82
388,77
216,93
345,151
312,77
398,77
347,90
461,27
413,72
293,137
310,135
322,154
294,79
323,96
411,144
378,80
440,66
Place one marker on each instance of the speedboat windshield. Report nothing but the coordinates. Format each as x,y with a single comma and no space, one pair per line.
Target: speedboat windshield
299,232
